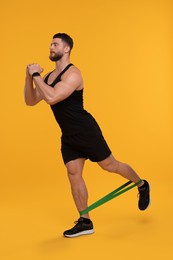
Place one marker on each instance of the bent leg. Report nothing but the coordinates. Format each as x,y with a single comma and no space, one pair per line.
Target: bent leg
78,187
112,165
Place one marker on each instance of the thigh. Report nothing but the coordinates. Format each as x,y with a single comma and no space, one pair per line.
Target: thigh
109,164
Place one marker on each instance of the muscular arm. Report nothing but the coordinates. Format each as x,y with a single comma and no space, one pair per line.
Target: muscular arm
31,95
61,90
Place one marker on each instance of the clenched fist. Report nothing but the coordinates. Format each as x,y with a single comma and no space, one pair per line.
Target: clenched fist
32,68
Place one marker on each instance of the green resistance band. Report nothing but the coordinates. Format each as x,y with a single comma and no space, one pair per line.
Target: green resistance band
115,193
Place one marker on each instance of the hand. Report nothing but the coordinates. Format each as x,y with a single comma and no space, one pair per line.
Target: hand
32,68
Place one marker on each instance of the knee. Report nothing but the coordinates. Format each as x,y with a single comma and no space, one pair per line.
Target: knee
73,175
72,170
75,167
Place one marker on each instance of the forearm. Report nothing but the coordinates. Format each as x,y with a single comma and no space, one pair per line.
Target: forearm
30,94
47,92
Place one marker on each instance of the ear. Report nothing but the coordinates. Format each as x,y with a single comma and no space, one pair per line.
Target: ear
67,49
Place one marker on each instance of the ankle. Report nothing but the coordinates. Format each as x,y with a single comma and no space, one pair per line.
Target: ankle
144,185
86,220
141,184
85,215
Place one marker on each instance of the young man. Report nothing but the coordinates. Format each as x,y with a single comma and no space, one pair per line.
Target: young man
81,137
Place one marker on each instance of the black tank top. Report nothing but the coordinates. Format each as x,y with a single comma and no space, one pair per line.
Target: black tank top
69,113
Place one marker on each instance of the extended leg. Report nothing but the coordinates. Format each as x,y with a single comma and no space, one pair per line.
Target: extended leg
112,165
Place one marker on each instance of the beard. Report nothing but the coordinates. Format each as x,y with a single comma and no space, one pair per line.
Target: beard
56,56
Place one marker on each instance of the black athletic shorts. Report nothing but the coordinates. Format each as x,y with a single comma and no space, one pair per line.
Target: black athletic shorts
89,144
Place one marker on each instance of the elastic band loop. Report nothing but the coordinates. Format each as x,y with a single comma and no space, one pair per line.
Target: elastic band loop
115,193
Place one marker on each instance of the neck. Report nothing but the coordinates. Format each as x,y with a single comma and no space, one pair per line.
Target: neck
61,64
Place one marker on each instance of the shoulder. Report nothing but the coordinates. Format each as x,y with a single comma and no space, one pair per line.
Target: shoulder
73,73
73,70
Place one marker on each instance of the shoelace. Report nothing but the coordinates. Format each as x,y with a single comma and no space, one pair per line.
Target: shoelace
78,221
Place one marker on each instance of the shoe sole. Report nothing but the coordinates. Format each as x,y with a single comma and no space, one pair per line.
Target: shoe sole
86,232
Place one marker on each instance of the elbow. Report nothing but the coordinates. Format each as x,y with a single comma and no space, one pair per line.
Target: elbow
29,103
52,101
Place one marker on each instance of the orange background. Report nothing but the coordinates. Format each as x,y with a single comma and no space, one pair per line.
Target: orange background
124,51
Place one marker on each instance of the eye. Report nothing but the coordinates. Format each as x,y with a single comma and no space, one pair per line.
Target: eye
54,44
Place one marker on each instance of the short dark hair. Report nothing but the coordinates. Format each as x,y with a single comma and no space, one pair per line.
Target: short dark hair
66,38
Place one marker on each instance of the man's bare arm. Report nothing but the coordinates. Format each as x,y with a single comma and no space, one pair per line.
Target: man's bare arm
31,95
61,90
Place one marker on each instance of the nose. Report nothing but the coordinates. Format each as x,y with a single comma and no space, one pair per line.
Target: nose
51,47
